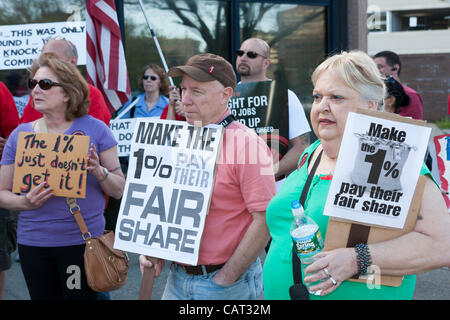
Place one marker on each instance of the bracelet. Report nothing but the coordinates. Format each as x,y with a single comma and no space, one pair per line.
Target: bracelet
363,258
105,176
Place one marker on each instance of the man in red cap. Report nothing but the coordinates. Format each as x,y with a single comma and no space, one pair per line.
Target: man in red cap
235,231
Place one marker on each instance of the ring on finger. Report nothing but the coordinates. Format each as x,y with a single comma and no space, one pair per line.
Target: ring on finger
326,272
334,282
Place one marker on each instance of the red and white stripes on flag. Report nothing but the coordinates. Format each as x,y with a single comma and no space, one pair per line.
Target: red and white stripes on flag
105,62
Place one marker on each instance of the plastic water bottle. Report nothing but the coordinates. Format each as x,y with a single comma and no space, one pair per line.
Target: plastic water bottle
306,236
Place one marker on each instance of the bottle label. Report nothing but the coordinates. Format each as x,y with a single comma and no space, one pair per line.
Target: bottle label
309,245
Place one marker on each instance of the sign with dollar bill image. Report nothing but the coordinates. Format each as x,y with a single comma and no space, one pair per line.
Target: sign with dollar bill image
376,191
377,170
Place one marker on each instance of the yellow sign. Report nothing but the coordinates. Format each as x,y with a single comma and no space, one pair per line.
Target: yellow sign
58,159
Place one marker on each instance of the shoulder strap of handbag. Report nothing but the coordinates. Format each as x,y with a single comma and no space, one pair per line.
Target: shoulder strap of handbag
296,265
72,202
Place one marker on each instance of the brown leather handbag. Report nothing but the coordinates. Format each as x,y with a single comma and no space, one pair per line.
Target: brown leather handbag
106,268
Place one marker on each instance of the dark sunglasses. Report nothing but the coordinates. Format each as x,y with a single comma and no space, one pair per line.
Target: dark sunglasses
153,78
250,54
44,84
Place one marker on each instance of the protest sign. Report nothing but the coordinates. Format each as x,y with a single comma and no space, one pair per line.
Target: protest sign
58,159
442,147
168,189
377,169
122,130
263,106
21,44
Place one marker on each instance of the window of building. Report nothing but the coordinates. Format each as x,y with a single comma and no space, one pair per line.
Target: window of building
421,20
300,35
182,29
297,37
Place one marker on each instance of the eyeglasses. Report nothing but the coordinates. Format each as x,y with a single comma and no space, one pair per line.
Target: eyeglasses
44,84
250,54
146,77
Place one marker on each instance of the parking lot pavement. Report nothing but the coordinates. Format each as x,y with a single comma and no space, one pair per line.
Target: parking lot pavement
433,285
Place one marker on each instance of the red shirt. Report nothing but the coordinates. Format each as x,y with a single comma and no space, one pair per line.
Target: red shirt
166,110
97,108
244,183
9,117
415,107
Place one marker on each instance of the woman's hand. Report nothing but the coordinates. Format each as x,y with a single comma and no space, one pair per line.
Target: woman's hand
174,96
93,166
38,196
340,264
179,108
175,101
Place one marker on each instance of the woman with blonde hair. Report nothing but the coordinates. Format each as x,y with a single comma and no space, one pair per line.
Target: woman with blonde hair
343,83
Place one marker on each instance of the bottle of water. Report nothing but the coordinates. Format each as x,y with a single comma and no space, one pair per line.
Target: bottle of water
306,236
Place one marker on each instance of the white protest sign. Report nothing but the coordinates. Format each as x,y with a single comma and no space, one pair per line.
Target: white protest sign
377,169
168,188
122,130
21,44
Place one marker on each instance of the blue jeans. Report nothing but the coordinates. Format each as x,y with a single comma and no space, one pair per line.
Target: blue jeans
182,286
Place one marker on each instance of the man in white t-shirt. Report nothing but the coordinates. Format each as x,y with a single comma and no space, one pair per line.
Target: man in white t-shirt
253,60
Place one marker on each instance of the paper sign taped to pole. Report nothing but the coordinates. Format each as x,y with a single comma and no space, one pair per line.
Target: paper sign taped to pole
376,173
169,184
58,159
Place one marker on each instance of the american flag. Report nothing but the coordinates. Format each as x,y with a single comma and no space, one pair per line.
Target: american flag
105,62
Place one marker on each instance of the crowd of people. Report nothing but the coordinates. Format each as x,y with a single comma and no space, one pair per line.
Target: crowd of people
247,210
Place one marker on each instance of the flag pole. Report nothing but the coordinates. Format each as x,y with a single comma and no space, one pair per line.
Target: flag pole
156,42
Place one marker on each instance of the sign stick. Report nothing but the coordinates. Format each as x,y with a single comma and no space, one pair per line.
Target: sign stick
163,60
147,281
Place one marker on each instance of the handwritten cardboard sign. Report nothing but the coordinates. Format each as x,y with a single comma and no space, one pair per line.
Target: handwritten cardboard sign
58,159
377,169
167,193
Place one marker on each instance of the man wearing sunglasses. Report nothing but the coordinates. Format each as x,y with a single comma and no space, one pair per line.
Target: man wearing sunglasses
253,60
67,51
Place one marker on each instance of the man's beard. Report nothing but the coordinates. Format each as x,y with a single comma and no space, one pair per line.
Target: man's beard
246,72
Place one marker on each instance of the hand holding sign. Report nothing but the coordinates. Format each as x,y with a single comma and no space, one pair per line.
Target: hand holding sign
369,183
150,268
38,196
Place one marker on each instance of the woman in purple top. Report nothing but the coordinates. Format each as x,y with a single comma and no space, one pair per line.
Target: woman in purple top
50,244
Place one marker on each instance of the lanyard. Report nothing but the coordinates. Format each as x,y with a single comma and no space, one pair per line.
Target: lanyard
227,120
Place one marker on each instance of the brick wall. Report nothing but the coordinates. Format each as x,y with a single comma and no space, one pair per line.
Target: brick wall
429,75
